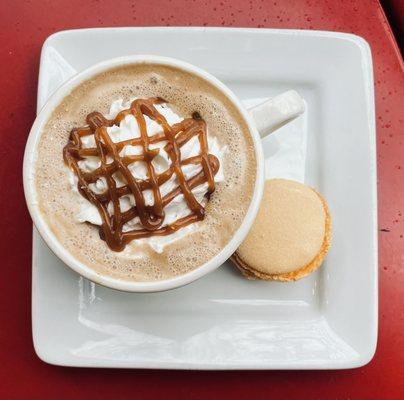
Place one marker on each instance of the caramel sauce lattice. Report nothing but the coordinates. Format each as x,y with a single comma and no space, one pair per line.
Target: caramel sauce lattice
151,216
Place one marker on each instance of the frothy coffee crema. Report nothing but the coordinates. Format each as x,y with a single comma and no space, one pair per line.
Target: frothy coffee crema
75,221
113,160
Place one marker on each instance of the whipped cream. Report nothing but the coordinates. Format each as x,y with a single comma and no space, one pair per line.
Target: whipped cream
177,208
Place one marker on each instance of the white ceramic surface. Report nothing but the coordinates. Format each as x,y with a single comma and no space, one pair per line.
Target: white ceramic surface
327,320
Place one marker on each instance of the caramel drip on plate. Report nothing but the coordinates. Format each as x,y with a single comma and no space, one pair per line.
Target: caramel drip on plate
151,217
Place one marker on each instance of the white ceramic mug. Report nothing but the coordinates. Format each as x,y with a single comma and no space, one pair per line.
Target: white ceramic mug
261,120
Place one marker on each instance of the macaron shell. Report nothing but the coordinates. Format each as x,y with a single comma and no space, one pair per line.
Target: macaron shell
291,234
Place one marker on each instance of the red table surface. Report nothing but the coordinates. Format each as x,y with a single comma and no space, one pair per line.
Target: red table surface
24,25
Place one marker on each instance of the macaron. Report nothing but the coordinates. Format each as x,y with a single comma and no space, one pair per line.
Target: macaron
290,236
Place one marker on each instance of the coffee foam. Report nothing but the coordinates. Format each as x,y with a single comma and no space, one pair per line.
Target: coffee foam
185,94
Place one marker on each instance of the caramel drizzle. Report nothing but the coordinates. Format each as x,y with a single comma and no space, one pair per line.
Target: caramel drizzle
151,217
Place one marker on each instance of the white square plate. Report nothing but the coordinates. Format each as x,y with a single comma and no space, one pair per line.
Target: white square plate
223,321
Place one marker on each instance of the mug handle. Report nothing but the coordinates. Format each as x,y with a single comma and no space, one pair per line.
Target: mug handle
277,111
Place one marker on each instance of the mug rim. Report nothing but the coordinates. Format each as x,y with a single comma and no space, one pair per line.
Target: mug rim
29,173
